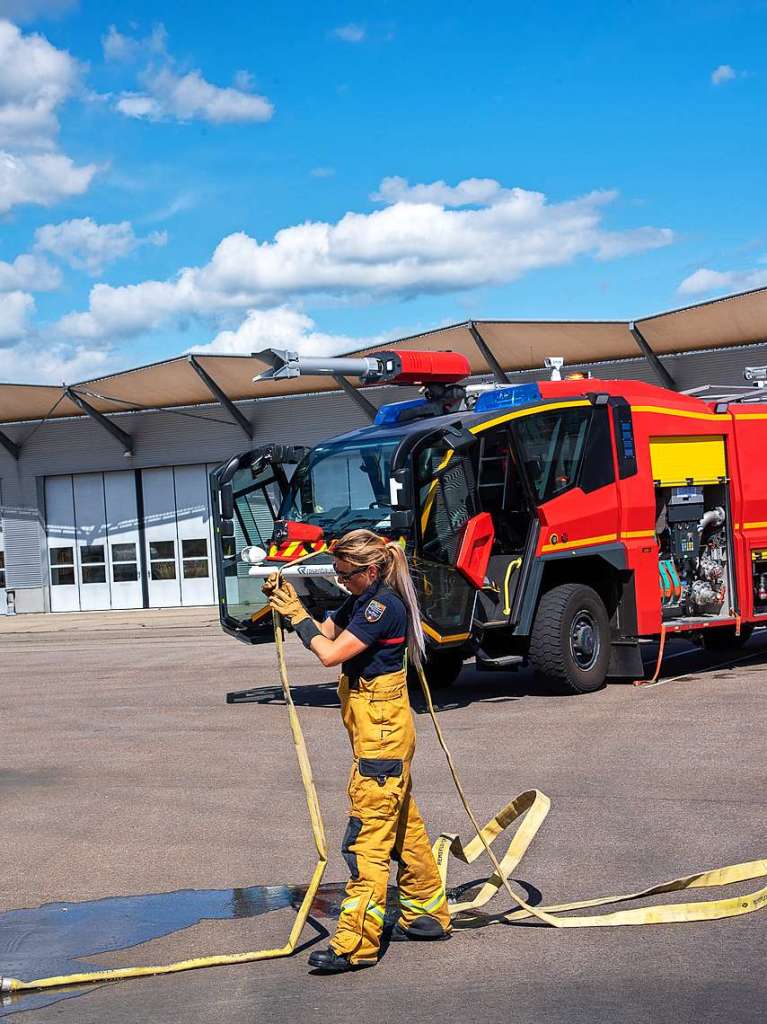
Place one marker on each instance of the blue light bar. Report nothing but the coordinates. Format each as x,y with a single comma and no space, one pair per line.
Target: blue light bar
389,414
508,398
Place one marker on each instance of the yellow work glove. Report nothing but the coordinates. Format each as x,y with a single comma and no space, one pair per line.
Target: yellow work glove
286,601
270,584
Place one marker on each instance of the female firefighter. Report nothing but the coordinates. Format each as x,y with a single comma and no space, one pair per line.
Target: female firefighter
370,637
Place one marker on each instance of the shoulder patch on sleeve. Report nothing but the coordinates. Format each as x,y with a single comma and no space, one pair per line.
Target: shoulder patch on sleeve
374,611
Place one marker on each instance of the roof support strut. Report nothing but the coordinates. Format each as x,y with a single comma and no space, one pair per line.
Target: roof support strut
487,354
125,439
221,397
665,377
367,407
10,446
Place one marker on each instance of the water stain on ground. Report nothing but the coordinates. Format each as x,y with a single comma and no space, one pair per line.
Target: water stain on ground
67,938
56,938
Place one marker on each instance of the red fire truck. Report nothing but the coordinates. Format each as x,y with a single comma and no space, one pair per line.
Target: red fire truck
560,522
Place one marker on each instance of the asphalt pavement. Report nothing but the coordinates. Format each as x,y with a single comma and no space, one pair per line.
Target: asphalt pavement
144,819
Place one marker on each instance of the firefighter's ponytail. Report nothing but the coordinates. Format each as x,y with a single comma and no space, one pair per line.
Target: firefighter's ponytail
362,548
399,579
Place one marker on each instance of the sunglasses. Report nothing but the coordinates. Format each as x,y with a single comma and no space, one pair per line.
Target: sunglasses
344,577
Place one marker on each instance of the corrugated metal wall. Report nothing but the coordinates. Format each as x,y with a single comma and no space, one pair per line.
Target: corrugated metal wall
181,437
23,547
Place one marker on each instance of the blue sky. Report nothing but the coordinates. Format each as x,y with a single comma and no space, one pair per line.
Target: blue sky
422,163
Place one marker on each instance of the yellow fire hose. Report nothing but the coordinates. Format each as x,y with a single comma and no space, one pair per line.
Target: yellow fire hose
533,804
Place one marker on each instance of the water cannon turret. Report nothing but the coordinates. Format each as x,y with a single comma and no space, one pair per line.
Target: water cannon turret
417,369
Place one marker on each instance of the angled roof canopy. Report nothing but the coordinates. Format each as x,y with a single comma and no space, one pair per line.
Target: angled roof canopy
522,344
512,344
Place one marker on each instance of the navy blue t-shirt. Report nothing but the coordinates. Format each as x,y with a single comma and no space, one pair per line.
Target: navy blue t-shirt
378,617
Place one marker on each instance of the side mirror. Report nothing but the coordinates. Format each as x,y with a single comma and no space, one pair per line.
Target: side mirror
226,502
401,485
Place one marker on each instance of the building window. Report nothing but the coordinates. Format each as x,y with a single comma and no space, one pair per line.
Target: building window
162,558
124,563
195,558
2,570
92,563
62,567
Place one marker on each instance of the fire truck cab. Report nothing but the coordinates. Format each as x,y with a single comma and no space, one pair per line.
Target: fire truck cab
560,522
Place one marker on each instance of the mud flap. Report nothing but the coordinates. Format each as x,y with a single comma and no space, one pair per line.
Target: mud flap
625,660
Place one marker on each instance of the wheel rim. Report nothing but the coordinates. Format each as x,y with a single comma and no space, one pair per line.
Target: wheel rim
584,640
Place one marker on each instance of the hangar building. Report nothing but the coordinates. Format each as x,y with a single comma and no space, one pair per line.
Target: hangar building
103,484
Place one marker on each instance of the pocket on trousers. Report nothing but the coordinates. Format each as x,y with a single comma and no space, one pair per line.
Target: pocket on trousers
371,800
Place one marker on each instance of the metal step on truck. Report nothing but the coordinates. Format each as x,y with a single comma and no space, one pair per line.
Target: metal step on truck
559,523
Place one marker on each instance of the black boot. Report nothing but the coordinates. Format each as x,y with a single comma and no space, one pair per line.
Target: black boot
329,962
424,928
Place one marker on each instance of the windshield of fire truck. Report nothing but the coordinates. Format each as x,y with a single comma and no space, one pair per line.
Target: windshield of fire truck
343,486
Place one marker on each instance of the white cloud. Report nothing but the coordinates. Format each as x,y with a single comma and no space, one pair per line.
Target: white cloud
286,328
120,48
705,280
350,33
472,191
30,273
615,244
410,247
185,200
723,73
167,93
190,98
38,360
517,202
35,78
322,172
127,311
86,245
15,310
41,178
30,10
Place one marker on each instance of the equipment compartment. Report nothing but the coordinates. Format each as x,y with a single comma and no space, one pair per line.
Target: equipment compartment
694,550
759,576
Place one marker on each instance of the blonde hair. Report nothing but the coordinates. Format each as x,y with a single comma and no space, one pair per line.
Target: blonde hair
363,548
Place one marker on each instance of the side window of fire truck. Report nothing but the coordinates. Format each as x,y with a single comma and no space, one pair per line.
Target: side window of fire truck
256,503
551,447
446,500
500,490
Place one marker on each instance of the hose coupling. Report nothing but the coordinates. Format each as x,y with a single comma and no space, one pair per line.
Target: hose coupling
6,984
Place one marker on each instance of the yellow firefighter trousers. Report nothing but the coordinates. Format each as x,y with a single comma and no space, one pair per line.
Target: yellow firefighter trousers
384,821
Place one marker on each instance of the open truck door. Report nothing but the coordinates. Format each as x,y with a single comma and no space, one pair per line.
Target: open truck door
246,494
447,511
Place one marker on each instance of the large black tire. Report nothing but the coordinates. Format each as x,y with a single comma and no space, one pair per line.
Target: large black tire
570,640
442,668
724,641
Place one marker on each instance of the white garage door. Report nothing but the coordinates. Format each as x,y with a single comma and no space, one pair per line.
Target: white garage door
92,529
123,550
178,536
95,539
